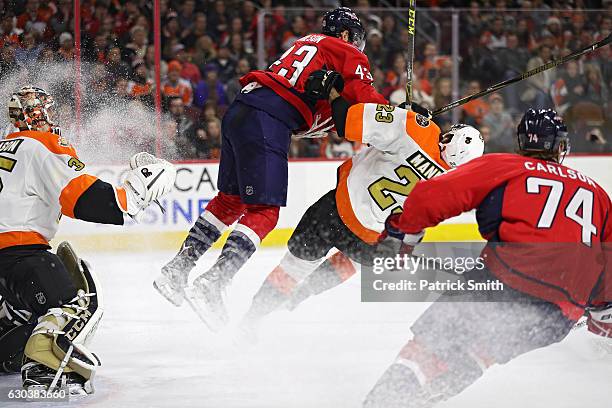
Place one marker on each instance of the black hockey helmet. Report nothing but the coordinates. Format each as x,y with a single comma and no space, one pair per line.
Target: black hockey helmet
343,18
543,132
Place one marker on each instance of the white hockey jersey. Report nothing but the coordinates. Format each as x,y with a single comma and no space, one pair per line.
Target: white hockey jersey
403,149
41,178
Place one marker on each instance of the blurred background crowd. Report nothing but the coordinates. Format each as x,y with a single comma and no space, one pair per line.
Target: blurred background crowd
207,45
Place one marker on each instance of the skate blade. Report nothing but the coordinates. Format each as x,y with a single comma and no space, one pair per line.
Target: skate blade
205,313
162,286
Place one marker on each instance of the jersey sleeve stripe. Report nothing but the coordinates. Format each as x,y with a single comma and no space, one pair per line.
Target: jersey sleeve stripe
71,193
354,123
121,198
16,238
50,140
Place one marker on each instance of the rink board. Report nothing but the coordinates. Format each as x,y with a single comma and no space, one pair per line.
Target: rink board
196,185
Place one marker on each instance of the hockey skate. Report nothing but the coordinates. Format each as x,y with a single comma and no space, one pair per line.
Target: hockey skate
206,297
38,376
172,281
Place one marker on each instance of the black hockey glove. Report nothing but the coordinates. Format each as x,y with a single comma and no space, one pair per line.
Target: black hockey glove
320,83
416,108
394,242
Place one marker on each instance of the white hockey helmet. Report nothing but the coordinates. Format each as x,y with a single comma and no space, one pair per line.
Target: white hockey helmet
461,144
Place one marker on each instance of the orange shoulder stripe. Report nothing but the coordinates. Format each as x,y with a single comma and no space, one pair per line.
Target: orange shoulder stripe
426,137
50,140
121,198
14,238
73,191
353,129
345,209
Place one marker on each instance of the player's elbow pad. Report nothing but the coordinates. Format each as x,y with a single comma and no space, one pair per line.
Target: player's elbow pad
99,204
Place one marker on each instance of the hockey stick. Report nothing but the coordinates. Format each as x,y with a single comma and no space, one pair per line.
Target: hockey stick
410,52
518,78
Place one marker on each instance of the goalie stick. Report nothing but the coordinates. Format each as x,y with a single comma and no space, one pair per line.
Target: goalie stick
518,78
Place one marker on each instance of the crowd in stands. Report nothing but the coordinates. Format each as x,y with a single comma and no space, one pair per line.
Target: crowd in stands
207,45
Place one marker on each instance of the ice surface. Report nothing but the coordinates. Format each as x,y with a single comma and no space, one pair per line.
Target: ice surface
327,353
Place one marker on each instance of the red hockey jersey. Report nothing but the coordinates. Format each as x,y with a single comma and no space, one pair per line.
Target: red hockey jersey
308,54
557,214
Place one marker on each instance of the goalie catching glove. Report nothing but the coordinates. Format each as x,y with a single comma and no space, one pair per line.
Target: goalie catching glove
149,179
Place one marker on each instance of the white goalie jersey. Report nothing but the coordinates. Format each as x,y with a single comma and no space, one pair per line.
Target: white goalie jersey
402,149
41,178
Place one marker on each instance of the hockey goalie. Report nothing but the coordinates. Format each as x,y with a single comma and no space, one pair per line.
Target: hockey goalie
50,303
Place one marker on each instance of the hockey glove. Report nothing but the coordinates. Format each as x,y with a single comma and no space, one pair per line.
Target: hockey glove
146,183
416,108
599,321
320,83
393,241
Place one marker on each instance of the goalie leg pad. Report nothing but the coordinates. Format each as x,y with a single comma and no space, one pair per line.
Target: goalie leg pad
60,339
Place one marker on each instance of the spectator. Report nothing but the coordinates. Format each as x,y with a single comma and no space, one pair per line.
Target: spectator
237,49
196,31
120,90
475,110
501,126
218,19
210,88
536,95
27,54
34,17
186,16
190,71
225,63
296,31
495,37
233,85
213,141
136,49
66,49
185,129
203,52
394,76
115,67
375,49
174,85
596,90
431,62
569,88
442,96
62,19
141,86
389,26
150,64
9,34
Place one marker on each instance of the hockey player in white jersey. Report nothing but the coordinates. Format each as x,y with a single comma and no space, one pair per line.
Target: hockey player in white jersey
51,303
404,147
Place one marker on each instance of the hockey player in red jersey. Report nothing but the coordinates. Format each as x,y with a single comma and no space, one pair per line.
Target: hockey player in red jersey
257,129
549,233
50,303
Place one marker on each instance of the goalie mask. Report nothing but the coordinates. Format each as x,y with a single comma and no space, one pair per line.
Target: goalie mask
461,144
31,108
